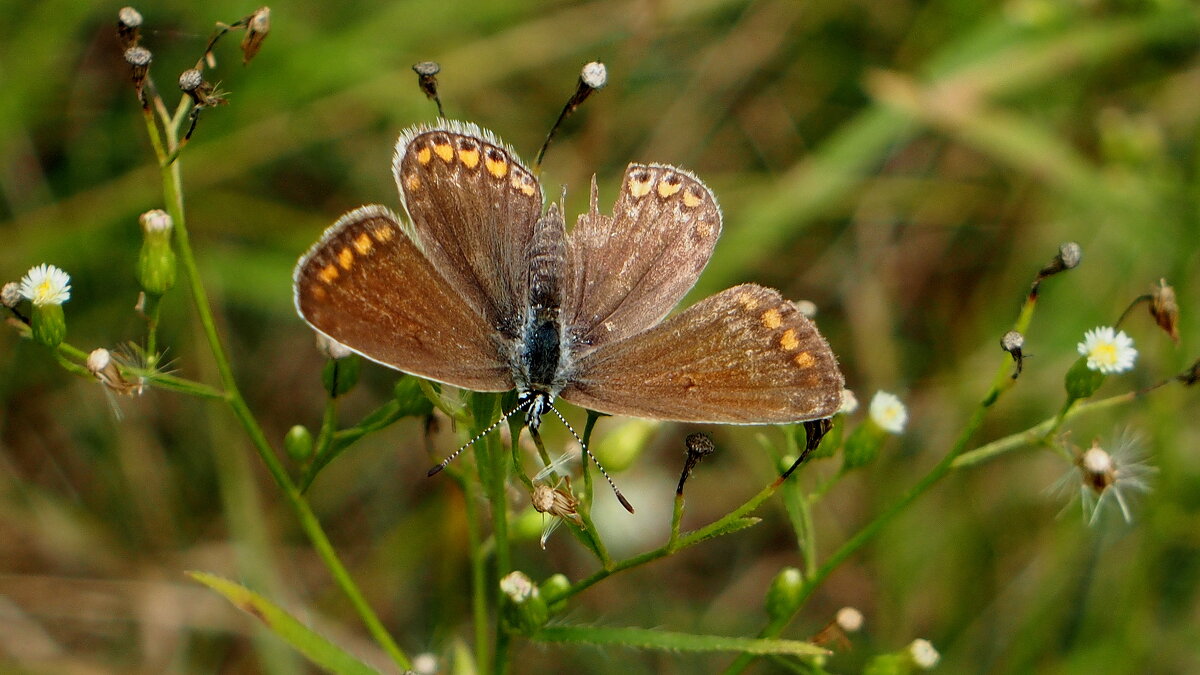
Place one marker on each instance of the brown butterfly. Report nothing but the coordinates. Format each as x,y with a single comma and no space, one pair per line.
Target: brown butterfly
480,287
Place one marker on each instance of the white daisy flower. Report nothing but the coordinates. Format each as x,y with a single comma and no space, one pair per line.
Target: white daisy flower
46,285
888,412
1108,350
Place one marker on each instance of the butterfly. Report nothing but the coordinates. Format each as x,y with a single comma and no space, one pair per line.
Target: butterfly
479,286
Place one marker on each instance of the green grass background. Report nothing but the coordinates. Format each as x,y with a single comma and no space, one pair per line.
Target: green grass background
908,166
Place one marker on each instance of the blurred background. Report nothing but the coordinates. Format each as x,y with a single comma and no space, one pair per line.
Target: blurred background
907,166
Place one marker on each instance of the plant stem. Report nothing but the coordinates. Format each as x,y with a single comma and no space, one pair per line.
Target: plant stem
173,196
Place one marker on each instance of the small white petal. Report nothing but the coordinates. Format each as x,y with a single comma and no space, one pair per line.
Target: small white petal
888,412
46,285
1107,350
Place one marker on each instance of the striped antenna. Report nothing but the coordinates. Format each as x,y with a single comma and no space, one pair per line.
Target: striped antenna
620,497
478,436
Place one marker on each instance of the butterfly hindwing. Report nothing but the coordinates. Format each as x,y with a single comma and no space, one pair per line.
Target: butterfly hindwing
366,286
742,356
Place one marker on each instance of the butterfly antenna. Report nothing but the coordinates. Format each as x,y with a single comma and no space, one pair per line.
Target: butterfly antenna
617,492
485,432
427,80
593,76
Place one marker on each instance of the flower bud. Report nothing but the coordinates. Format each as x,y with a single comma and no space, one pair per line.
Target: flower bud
340,375
553,589
923,655
156,261
47,287
524,609
784,596
1082,381
299,443
49,324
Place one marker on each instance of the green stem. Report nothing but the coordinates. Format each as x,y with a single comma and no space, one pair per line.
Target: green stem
479,591
1002,381
173,196
690,539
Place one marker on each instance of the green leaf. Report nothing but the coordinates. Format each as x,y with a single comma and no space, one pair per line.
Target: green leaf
646,638
316,648
730,527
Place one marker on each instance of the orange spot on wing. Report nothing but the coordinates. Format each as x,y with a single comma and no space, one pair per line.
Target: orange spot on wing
318,293
413,182
444,152
746,300
363,243
804,360
692,199
666,187
496,167
772,319
383,234
788,340
345,258
328,273
424,155
469,157
639,186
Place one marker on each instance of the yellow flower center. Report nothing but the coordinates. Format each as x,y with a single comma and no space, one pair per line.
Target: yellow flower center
1104,354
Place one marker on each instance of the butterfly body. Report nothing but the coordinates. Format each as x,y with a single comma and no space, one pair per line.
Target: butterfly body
477,287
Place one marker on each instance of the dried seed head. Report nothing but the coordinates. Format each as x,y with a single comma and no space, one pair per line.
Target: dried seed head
427,80
104,366
849,619
427,68
594,75
11,294
129,23
699,446
139,59
191,80
1098,468
98,360
1165,310
923,654
1012,341
258,25
1070,254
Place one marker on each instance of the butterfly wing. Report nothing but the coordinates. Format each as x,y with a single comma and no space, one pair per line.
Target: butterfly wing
742,356
633,267
366,286
473,207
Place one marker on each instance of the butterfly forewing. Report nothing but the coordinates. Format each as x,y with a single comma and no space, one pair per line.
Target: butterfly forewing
743,356
365,285
473,206
632,268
